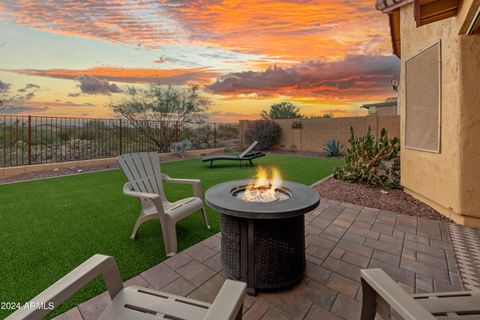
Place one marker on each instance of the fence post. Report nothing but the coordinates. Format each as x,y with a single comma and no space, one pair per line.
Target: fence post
29,139
121,139
176,131
214,135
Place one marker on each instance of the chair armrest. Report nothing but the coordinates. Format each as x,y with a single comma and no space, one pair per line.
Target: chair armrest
180,181
127,190
378,286
64,288
229,301
144,196
196,184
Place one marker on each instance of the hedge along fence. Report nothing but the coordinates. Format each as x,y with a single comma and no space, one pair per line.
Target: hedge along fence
26,140
311,135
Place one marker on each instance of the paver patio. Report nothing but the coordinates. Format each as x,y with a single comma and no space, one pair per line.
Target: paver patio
340,240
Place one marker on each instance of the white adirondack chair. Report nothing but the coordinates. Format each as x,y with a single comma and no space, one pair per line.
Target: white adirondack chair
133,302
146,183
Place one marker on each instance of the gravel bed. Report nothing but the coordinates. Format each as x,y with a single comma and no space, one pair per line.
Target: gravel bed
374,197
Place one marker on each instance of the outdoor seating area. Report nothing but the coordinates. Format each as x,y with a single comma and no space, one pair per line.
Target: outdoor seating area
229,160
341,239
414,255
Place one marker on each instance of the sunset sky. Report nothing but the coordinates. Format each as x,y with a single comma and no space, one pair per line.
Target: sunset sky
75,57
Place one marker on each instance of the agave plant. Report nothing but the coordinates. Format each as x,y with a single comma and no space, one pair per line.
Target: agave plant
371,161
333,148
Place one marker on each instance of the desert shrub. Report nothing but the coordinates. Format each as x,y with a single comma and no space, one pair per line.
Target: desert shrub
227,131
297,125
64,136
266,132
371,161
86,134
202,137
182,147
333,148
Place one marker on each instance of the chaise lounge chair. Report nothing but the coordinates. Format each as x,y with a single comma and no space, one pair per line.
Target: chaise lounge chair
380,294
247,155
133,302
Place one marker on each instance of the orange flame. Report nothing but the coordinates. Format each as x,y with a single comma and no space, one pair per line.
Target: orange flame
263,189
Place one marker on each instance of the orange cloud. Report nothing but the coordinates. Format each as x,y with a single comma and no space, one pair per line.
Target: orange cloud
113,20
298,30
288,29
129,75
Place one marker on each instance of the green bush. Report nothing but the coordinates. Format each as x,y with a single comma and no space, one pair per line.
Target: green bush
371,161
266,132
333,148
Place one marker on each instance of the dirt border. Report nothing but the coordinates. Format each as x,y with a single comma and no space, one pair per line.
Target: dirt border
73,170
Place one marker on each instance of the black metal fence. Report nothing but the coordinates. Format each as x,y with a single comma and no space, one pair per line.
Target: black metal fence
28,140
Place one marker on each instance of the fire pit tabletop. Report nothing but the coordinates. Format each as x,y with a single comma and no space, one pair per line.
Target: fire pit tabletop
302,199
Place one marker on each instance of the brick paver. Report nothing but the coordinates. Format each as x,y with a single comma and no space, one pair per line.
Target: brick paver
341,239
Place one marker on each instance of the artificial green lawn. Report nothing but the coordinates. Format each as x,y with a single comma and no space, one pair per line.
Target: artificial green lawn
48,227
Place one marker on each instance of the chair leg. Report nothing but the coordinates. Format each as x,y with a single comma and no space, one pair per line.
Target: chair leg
169,236
251,163
205,218
240,314
369,302
140,220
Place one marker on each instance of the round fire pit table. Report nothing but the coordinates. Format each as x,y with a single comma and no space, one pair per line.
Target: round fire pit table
263,243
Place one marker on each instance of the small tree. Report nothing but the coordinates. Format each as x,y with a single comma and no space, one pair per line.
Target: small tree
157,111
282,110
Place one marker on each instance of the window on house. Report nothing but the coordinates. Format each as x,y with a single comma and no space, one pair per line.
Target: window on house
423,100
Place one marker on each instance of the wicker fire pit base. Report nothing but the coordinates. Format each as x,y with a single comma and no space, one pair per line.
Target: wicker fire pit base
263,243
267,254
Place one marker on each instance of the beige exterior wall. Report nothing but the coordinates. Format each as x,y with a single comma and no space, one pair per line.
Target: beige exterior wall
316,132
449,181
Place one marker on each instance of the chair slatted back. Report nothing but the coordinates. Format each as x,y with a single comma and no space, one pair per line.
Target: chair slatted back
250,148
143,172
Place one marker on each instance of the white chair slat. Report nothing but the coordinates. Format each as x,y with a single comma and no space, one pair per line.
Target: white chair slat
128,167
151,171
155,162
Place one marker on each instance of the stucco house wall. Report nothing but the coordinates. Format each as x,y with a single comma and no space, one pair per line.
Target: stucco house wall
448,181
470,127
